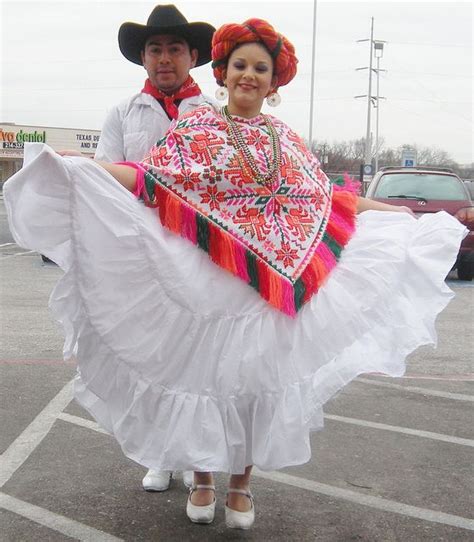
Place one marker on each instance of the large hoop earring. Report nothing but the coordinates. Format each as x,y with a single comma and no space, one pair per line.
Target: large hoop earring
222,93
273,99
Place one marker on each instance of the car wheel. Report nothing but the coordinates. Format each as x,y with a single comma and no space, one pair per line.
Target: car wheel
465,271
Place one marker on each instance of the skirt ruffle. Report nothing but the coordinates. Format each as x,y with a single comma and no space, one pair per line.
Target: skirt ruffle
188,367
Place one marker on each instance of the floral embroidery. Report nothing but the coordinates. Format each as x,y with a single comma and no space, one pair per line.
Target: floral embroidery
257,140
190,180
212,197
292,209
212,174
287,255
291,230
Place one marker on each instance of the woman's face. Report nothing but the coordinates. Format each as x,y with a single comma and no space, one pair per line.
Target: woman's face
248,78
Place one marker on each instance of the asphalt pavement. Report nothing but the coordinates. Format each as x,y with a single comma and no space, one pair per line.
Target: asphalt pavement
394,462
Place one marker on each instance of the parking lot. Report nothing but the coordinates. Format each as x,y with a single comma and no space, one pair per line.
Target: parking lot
394,462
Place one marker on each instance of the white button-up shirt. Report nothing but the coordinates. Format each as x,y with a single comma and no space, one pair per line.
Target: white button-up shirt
132,127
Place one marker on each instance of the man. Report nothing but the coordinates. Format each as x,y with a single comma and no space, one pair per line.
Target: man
167,47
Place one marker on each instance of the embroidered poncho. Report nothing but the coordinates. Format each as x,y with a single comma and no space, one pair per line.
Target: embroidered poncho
282,238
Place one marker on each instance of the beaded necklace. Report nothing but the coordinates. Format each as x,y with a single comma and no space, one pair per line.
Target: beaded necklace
244,156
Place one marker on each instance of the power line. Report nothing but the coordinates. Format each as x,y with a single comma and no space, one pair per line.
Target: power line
446,74
428,115
432,44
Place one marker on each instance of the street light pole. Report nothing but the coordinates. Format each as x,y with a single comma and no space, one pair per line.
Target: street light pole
311,107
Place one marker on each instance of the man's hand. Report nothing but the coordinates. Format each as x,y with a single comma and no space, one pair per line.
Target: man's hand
466,215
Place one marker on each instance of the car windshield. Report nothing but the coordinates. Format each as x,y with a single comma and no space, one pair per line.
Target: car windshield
429,186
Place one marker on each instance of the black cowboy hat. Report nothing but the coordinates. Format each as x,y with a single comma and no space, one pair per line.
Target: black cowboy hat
166,20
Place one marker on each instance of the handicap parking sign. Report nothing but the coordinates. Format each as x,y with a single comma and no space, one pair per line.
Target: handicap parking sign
409,157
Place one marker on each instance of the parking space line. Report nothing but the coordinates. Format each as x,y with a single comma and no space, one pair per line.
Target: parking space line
468,377
24,445
56,522
18,254
404,430
460,284
371,501
58,361
414,389
339,493
82,422
445,377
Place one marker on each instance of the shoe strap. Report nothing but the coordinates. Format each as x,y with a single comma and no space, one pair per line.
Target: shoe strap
194,487
240,492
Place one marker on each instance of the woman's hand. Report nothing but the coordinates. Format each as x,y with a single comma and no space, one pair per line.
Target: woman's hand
364,204
70,153
403,209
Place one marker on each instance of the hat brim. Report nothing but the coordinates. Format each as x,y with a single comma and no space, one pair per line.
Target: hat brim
132,38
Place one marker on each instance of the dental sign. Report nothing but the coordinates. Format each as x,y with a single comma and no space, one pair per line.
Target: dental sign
13,138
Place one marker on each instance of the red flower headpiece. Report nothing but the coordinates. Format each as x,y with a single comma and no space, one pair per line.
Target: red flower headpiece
229,36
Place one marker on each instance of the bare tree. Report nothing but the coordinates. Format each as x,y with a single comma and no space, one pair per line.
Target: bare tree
347,156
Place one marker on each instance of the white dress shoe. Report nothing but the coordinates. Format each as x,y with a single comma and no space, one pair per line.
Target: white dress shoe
188,478
240,520
201,514
157,480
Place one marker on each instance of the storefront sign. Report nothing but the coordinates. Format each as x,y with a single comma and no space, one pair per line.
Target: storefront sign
13,138
88,141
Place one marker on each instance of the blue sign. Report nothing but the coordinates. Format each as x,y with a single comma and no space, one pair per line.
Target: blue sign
409,157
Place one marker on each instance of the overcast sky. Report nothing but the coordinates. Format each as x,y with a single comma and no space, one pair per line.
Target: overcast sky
61,65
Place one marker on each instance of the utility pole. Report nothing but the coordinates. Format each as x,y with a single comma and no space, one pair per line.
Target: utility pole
378,50
366,167
312,77
367,158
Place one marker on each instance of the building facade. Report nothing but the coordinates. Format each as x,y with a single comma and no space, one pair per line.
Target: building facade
14,136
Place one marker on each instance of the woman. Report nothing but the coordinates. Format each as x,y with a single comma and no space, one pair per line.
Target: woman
167,336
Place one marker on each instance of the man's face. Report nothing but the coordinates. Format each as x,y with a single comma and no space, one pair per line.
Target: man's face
167,60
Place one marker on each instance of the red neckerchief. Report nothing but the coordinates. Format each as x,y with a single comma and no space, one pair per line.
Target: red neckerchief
188,89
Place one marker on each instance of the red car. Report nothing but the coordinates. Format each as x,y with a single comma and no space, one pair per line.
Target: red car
428,190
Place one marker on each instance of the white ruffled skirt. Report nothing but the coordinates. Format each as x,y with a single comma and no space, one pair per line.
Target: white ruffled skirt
187,366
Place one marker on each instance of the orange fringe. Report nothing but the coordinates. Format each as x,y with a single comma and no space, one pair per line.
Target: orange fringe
173,214
340,234
221,248
313,276
344,203
276,289
263,279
